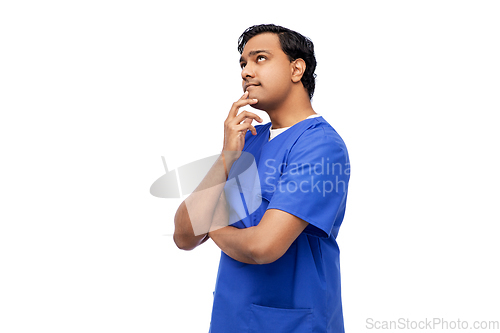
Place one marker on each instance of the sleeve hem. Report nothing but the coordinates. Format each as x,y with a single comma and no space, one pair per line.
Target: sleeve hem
321,233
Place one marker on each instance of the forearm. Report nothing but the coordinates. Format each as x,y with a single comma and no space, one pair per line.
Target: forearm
236,243
262,244
184,236
194,216
196,213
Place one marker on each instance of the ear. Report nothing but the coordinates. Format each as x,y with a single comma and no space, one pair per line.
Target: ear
298,67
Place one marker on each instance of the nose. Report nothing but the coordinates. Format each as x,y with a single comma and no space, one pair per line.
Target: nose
247,71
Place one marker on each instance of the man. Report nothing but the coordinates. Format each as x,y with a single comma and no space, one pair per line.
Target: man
279,269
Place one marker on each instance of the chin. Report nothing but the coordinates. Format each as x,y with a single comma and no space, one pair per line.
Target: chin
259,106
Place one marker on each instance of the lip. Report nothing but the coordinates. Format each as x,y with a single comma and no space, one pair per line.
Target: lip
250,85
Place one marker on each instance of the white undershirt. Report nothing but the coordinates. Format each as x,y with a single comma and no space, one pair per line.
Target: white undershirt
275,132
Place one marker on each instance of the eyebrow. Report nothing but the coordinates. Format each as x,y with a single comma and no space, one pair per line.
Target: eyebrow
252,53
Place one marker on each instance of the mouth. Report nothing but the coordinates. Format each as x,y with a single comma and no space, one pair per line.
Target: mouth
250,85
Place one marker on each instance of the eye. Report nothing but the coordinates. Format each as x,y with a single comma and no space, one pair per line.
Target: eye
242,65
261,57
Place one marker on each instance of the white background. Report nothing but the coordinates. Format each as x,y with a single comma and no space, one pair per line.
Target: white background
93,93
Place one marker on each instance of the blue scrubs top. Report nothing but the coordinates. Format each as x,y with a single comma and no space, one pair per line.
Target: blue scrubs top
303,171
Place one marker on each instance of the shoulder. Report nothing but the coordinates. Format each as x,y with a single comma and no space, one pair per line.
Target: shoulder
320,137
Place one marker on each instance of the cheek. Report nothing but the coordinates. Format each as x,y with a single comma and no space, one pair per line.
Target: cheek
280,84
276,79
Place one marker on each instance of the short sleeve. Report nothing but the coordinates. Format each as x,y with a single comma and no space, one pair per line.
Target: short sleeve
314,181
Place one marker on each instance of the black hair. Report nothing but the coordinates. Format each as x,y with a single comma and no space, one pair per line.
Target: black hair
293,44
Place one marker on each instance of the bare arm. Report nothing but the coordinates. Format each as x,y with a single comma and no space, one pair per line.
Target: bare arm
262,244
184,236
194,216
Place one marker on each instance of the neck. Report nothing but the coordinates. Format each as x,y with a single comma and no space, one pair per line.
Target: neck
295,109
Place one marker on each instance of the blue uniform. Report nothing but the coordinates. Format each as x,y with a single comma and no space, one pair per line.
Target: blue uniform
303,171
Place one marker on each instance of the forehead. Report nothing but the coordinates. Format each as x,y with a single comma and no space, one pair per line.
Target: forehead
264,41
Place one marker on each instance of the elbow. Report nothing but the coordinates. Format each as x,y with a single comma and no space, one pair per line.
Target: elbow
262,255
183,243
188,243
181,237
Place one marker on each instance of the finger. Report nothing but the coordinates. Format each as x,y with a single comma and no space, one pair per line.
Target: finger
246,126
239,103
247,121
234,106
246,115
